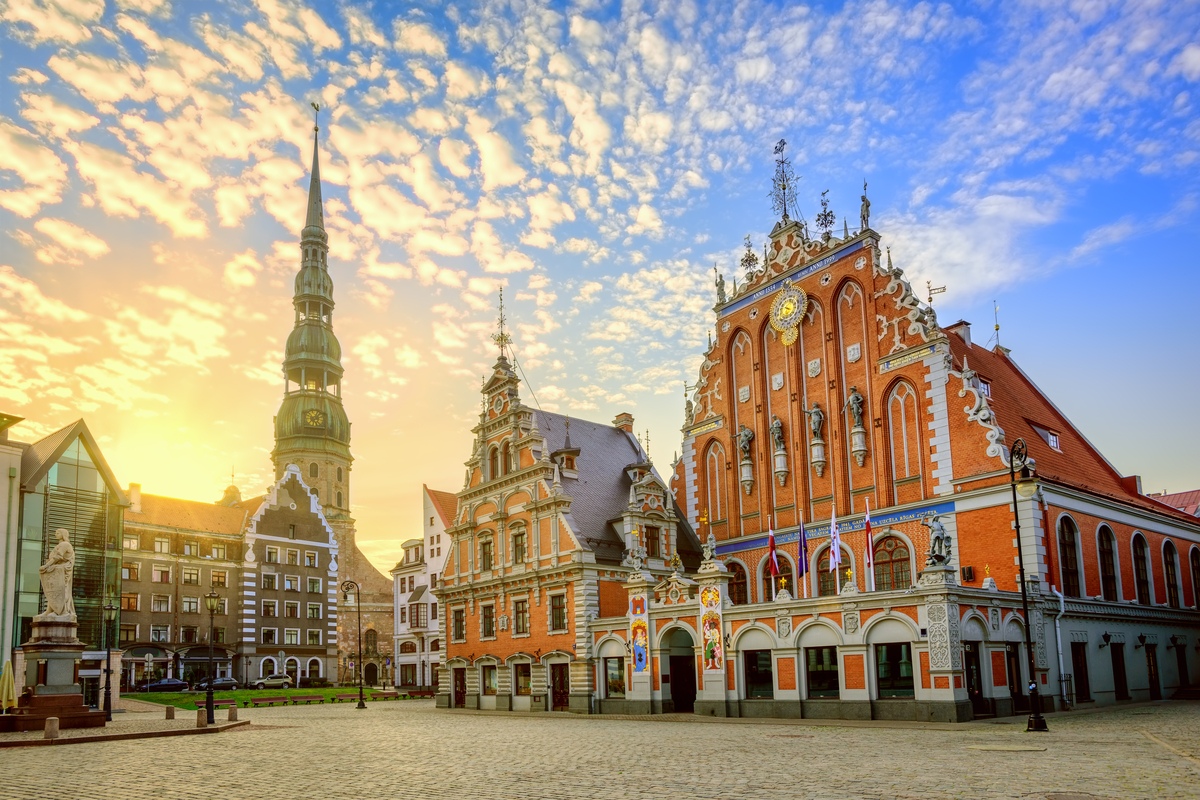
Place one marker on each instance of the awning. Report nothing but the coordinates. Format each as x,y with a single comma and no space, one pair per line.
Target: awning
417,594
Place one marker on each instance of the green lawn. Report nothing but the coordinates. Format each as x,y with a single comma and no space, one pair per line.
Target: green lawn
192,700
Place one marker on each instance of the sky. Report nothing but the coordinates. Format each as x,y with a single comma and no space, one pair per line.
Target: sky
596,161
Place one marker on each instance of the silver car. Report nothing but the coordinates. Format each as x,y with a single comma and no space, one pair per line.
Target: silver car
280,680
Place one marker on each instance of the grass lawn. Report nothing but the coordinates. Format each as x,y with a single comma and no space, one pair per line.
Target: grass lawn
192,700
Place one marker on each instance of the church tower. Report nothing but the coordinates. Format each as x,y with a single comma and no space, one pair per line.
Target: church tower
312,432
311,428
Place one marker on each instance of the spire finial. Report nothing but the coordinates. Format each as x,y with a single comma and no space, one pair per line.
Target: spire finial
316,216
501,338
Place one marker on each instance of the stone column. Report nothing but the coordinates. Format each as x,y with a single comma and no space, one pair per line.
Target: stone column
639,694
713,582
947,692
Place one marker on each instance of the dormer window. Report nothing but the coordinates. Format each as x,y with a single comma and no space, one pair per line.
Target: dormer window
568,462
1049,436
985,388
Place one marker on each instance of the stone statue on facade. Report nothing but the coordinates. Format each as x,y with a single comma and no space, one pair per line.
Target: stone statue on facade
855,402
939,541
777,432
720,286
816,419
744,437
56,576
864,211
709,548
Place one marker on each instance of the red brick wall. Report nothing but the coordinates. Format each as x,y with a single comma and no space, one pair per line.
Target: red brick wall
999,673
614,600
787,672
855,671
924,670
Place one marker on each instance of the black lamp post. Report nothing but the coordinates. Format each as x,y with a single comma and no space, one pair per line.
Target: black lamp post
110,614
1025,482
211,601
346,587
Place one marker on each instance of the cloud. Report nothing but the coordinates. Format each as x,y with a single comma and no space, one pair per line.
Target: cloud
495,154
68,242
242,270
29,297
418,37
39,173
60,21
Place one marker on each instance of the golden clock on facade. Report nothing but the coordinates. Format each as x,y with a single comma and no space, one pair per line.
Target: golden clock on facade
787,310
314,419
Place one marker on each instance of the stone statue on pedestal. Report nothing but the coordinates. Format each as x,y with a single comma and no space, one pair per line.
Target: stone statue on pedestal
816,419
777,431
939,541
855,402
57,575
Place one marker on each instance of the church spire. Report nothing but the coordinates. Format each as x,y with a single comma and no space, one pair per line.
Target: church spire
316,215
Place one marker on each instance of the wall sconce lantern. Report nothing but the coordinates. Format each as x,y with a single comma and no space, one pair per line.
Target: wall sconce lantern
1141,642
1107,637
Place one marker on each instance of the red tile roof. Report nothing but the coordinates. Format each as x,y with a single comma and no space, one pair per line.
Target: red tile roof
1019,406
191,515
1188,502
446,504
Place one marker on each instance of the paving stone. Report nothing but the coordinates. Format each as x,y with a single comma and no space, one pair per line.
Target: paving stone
407,749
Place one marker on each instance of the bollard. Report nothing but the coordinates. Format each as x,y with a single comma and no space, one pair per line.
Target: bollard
170,712
51,728
232,713
202,717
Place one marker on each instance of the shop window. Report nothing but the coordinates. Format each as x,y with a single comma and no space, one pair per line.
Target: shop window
821,671
614,678
893,669
760,682
488,679
522,678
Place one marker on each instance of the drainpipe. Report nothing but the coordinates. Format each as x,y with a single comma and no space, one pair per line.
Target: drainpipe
1062,609
9,563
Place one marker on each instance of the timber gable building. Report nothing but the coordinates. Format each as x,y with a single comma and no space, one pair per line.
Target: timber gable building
830,396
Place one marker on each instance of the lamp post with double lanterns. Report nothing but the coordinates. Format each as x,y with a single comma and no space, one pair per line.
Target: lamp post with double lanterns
110,615
212,601
1021,480
347,586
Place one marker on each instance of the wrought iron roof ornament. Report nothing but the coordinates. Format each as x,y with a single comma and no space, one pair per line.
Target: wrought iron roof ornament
826,219
783,191
502,339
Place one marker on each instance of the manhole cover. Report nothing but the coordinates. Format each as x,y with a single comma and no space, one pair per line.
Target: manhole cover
1008,748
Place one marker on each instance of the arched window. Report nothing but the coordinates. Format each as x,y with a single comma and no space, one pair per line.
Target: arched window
408,647
1171,573
1068,557
1195,559
339,474
772,585
506,459
893,568
339,499
904,436
493,464
1108,564
372,640
714,473
314,668
739,592
1141,570
827,582
313,470
435,645
266,667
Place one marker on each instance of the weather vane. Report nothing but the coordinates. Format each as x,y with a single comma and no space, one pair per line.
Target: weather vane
826,219
316,113
501,338
929,287
783,191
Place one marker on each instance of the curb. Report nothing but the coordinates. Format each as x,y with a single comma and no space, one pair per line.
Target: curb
117,737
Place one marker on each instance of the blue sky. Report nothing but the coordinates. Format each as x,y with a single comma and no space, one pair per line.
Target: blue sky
595,160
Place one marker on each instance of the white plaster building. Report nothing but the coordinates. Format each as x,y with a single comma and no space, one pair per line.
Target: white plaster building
417,649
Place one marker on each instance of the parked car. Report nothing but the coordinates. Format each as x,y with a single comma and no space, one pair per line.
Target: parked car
280,680
219,684
167,685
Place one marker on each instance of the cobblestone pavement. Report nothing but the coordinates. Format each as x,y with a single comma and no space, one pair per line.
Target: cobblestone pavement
409,749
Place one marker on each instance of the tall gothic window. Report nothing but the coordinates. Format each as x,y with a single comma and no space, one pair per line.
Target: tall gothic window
506,459
772,585
893,569
1068,556
1108,564
493,463
714,475
1141,569
1195,559
739,593
904,437
1171,573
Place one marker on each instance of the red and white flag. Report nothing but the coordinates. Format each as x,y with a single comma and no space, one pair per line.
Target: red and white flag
869,561
835,541
772,556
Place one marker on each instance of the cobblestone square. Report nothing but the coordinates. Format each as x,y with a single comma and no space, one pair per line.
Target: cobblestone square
409,749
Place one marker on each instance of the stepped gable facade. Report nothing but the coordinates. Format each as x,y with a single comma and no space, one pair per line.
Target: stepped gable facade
551,507
830,392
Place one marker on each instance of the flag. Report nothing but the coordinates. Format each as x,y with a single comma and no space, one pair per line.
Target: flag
869,561
772,555
835,541
802,558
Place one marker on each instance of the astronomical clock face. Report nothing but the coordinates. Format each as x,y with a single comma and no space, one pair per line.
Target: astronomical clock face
314,418
787,310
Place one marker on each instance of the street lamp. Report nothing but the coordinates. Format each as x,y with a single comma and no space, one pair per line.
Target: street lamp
346,587
110,614
211,601
1024,483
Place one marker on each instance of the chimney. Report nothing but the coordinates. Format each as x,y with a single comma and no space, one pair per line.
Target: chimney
135,498
963,329
1132,483
624,421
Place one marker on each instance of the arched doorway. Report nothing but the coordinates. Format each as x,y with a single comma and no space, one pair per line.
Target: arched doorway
681,660
371,674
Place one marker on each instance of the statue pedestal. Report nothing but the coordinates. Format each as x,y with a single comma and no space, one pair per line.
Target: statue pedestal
52,686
